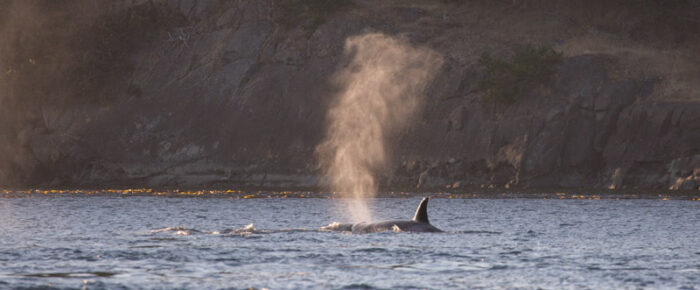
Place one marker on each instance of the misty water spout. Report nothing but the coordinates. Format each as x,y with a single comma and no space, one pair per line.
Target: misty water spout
381,89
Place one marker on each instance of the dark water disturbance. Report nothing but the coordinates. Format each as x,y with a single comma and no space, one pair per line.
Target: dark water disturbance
116,242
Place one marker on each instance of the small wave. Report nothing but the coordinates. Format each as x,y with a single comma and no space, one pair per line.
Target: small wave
358,286
248,229
180,231
371,250
70,274
515,252
145,246
475,232
337,227
163,239
289,231
498,267
167,229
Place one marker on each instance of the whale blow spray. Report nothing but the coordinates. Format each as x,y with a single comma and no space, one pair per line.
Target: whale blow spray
380,90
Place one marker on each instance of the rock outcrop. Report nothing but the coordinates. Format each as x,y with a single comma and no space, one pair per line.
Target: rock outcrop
236,96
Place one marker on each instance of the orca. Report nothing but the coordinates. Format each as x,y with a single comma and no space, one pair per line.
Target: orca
419,223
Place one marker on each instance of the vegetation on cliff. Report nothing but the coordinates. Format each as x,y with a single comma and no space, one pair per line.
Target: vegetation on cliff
505,80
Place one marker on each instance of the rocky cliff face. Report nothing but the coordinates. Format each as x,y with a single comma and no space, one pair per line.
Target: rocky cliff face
235,94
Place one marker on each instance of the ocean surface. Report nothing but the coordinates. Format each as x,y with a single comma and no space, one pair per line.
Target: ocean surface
110,241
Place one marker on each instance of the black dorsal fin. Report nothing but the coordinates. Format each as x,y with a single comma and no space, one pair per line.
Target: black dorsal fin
421,215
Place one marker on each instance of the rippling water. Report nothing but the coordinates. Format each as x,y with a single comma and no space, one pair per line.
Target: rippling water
162,242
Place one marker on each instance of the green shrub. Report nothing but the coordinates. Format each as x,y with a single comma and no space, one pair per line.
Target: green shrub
309,14
505,80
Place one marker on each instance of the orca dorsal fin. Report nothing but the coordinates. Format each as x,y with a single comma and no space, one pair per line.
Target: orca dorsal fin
421,215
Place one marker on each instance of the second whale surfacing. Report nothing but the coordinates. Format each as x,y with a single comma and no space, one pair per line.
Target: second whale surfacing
419,223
